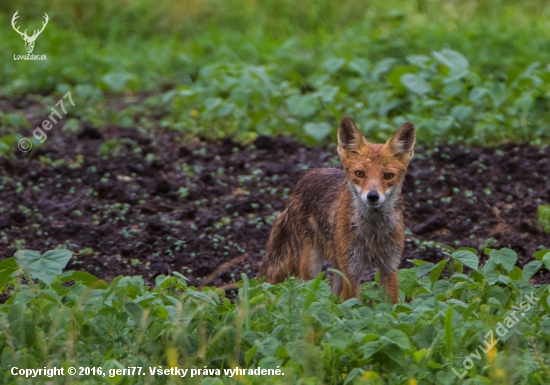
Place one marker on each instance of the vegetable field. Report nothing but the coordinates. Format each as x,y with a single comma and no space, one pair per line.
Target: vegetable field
143,163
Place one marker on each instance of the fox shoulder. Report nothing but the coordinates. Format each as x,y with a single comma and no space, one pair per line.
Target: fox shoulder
321,179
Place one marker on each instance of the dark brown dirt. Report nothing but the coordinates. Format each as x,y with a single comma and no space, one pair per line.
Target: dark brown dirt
157,205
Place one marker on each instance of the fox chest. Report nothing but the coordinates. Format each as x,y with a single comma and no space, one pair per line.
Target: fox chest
374,248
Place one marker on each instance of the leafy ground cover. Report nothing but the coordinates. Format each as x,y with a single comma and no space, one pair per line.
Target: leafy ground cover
462,71
486,326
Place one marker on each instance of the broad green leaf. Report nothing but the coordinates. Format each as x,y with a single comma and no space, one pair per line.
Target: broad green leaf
225,109
477,93
457,303
451,59
118,82
268,363
382,67
340,340
470,249
398,338
505,279
464,277
415,83
491,276
456,75
467,258
370,337
448,378
318,131
474,306
419,60
20,327
435,273
201,296
501,294
540,254
351,376
492,262
60,289
7,269
334,64
370,349
418,262
361,66
424,268
268,347
454,88
419,354
302,106
531,269
85,278
546,260
395,353
516,274
212,103
45,267
135,310
394,77
250,354
461,113
507,258
441,287
407,280
327,93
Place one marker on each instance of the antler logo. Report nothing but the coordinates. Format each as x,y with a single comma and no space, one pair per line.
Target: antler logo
29,40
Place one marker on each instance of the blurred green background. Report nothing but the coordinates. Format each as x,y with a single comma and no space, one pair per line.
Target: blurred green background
470,71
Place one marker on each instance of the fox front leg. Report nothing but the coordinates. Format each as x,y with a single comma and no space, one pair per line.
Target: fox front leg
389,285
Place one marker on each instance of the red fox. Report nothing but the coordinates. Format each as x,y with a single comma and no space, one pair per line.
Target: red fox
351,217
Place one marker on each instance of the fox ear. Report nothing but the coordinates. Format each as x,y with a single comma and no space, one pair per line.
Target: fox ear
401,144
350,139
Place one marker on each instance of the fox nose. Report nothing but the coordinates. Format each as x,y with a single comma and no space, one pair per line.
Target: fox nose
373,197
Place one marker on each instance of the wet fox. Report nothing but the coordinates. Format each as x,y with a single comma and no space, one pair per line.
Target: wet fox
351,217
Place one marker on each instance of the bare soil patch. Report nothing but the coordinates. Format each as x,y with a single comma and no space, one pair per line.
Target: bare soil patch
156,205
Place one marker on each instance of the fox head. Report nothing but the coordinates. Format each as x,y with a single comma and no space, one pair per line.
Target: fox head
375,172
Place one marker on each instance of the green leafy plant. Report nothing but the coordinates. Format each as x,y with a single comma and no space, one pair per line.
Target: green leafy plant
45,267
297,72
437,333
109,146
8,146
544,217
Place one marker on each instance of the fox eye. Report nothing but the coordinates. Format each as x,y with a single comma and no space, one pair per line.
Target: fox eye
388,175
360,174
